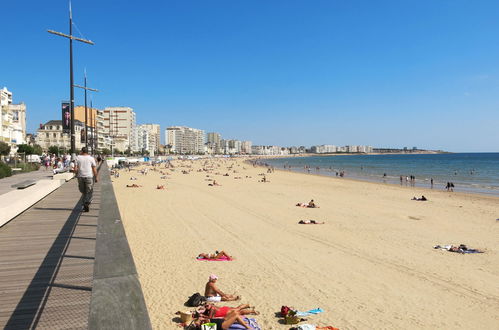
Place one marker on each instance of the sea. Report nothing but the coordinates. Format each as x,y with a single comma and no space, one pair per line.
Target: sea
469,172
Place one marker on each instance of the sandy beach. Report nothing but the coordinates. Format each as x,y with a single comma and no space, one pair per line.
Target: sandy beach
370,266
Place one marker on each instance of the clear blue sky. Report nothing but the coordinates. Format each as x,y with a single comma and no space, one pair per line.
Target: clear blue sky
385,73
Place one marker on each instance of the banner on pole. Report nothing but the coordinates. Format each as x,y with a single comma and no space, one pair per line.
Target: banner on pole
66,118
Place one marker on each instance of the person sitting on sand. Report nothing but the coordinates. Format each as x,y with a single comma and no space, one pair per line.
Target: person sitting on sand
133,186
161,187
310,222
311,204
222,323
214,294
216,255
214,184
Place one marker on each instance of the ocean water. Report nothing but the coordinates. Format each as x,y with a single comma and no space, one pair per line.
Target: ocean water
470,172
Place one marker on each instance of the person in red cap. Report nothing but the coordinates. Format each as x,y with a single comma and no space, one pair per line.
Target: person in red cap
214,294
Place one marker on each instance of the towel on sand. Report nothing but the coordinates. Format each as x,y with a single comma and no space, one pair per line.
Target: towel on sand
310,312
252,323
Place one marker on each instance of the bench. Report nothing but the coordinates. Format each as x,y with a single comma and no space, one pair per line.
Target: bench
24,184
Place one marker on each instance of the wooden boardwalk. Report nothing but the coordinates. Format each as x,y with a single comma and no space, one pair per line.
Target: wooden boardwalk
47,262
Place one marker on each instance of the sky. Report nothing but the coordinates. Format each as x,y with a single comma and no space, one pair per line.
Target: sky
421,73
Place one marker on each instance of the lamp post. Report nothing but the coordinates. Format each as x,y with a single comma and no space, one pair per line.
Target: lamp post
71,89
85,88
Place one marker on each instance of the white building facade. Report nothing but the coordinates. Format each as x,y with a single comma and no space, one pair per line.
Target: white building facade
13,120
119,125
185,140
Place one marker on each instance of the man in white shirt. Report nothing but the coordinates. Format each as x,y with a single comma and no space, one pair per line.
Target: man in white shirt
86,173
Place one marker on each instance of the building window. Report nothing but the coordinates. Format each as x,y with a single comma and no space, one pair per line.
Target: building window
55,135
47,134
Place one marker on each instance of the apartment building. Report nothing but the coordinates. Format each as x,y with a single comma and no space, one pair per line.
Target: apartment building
119,125
185,140
148,138
50,134
13,120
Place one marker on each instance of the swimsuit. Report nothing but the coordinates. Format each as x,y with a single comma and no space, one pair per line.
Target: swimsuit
222,311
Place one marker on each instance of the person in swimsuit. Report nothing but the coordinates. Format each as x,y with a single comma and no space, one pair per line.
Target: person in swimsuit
310,222
223,323
213,311
214,294
216,255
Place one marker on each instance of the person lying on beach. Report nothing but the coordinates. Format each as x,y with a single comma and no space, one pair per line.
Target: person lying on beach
133,178
222,323
161,187
310,222
216,255
459,249
133,186
213,311
214,184
422,199
214,294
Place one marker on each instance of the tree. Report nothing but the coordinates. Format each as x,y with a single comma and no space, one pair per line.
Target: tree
26,149
4,149
54,150
37,150
106,151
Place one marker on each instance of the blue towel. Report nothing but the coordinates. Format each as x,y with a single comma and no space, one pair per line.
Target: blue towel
310,312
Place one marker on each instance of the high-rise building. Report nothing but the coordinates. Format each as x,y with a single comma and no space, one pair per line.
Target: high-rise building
148,138
185,140
119,125
246,147
13,120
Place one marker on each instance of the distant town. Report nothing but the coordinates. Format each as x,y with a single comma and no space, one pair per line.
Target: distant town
114,131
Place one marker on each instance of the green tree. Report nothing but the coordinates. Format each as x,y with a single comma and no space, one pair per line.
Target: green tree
26,149
54,150
4,149
117,151
37,150
106,151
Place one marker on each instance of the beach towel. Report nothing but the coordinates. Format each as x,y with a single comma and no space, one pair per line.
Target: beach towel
310,312
251,322
219,259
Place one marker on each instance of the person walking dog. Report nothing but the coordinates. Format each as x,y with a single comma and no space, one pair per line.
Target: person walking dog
86,173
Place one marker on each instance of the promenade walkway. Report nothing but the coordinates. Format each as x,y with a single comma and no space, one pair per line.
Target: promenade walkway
6,183
47,262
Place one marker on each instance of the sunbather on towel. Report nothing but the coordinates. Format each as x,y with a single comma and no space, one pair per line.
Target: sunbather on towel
216,255
422,199
223,323
214,294
310,222
459,249
213,311
133,186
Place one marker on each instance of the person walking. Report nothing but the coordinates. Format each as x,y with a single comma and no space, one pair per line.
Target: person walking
86,173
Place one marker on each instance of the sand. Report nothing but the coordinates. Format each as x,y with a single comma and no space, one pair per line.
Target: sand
371,266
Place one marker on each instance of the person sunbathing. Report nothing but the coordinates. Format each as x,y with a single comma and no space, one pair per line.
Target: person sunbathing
213,311
216,255
161,187
133,186
310,222
214,184
422,199
311,204
222,323
214,294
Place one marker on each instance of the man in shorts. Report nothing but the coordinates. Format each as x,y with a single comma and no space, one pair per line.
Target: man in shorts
86,173
214,294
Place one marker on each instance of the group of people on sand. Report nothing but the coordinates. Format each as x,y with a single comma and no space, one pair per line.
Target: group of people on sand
222,316
310,204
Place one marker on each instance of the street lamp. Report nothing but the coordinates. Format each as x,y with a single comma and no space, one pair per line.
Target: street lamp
71,104
86,117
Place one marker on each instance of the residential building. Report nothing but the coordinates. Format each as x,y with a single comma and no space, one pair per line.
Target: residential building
269,150
119,125
185,140
13,120
50,134
246,147
148,138
213,142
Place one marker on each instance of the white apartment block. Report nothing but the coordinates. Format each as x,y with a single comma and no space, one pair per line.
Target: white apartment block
185,140
148,138
269,150
13,120
50,134
119,125
246,147
326,148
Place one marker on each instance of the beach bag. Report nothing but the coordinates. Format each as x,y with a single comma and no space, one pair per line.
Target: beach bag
209,326
285,310
195,300
291,318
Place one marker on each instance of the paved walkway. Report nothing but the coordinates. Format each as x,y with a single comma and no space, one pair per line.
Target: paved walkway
6,183
47,262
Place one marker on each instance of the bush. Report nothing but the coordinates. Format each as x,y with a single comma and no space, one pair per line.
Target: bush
54,150
4,149
28,167
24,148
5,170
